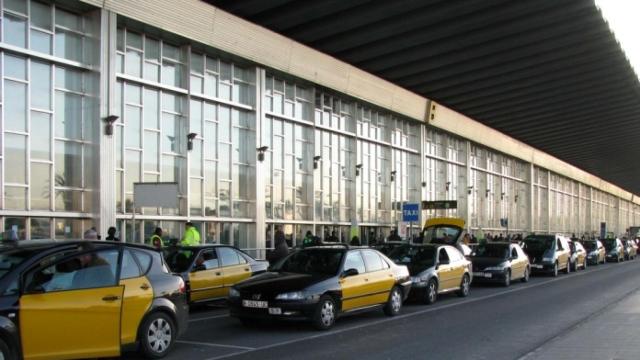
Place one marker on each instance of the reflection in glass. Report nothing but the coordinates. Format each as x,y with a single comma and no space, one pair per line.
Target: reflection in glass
40,186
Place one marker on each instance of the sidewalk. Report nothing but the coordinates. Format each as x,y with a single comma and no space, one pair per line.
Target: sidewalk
611,334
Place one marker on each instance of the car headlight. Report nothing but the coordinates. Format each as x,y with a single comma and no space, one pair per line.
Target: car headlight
419,279
547,259
296,295
499,267
233,293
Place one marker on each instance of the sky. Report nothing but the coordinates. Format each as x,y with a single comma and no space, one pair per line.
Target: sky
623,17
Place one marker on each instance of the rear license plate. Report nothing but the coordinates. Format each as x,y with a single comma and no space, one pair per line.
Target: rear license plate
536,266
275,311
255,304
478,274
487,275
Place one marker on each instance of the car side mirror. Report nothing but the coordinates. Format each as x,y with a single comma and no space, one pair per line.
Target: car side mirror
36,289
199,268
350,272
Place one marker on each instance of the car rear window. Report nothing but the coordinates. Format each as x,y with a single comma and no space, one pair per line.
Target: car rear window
321,262
180,260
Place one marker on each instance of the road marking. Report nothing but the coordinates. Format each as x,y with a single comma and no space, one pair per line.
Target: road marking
215,345
408,315
209,317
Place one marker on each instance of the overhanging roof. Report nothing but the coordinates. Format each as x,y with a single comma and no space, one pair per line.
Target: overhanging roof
549,73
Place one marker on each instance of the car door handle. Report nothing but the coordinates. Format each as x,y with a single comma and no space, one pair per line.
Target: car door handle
110,298
366,280
247,269
218,273
144,286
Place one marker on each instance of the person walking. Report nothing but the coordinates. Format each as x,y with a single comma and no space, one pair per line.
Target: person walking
308,240
191,235
281,249
156,239
111,234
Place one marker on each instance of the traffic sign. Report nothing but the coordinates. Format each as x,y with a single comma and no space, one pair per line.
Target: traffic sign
410,212
435,205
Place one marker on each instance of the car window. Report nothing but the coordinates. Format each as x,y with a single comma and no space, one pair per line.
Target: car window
559,245
354,261
520,251
144,260
93,269
514,253
208,259
385,264
372,261
442,256
454,254
129,267
228,256
241,258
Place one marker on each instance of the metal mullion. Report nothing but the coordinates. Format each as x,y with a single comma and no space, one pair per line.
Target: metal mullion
28,142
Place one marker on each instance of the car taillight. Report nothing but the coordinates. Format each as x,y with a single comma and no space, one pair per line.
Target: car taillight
182,287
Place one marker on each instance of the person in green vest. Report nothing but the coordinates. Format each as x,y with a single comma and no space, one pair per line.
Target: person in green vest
308,240
191,235
156,239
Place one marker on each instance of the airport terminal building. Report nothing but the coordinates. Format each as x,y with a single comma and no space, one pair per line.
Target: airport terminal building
256,129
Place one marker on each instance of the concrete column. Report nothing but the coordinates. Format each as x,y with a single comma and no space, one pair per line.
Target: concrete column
107,156
548,201
261,169
467,183
591,227
530,203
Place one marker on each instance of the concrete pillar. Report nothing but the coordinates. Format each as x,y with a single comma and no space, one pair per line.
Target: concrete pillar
260,211
548,201
530,199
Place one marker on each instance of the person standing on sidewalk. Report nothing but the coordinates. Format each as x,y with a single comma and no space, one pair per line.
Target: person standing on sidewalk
191,235
156,239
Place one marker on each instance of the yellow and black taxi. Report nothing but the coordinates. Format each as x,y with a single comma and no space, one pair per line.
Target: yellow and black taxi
500,262
435,269
596,253
548,253
210,270
72,300
446,231
320,284
630,249
578,255
614,249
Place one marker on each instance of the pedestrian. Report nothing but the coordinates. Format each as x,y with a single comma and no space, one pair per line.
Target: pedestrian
394,237
333,237
308,239
90,234
156,238
355,241
111,234
281,249
191,235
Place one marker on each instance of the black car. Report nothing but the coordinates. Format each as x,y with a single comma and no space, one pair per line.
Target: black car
320,284
614,249
86,299
500,262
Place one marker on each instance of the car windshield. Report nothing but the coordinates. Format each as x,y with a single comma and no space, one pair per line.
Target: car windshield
441,234
500,251
589,245
537,245
609,244
322,262
11,258
416,256
179,260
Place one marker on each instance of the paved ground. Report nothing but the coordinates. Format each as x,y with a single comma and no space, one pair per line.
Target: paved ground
584,315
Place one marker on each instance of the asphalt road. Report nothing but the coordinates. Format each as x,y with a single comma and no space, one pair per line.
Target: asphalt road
492,323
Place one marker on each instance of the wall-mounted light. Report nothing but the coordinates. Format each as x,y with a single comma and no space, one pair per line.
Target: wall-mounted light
469,189
190,137
486,193
515,198
502,196
448,183
393,175
261,150
316,159
108,127
358,167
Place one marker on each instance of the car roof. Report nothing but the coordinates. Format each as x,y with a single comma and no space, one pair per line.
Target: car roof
45,244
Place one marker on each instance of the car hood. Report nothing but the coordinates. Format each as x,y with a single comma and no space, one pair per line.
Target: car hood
483,262
271,283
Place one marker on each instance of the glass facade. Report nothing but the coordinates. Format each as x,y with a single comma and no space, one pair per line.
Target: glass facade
192,115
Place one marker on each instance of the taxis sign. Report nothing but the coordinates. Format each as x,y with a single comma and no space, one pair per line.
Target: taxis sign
410,212
439,205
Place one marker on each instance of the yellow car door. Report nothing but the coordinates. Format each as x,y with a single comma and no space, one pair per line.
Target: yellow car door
235,267
458,264
206,279
71,309
444,270
379,280
138,293
354,287
517,263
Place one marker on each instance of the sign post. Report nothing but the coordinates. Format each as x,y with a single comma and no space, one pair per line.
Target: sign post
410,214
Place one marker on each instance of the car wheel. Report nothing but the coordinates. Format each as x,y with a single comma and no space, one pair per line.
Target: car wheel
431,293
525,278
464,286
567,270
507,279
554,273
5,352
157,334
394,304
325,315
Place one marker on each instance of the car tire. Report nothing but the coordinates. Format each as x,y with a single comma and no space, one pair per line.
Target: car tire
394,303
431,292
5,352
554,272
567,270
527,274
507,279
325,314
464,286
157,335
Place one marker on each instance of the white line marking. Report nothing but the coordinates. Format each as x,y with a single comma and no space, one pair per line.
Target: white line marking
209,317
412,314
214,345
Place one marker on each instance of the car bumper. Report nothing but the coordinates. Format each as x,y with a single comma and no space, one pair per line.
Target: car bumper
542,268
489,276
612,257
593,259
276,310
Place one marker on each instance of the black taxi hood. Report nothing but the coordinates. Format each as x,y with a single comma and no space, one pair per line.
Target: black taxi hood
279,282
482,261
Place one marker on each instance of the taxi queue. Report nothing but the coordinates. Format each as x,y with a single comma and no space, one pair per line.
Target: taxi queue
115,297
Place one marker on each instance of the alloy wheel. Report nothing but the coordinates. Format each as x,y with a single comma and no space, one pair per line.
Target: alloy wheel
396,301
327,313
159,335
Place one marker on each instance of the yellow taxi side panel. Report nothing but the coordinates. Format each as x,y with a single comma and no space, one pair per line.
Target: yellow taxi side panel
74,324
457,273
206,284
234,274
380,284
137,299
354,291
